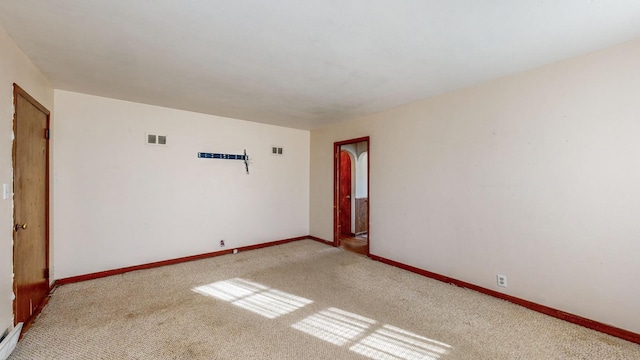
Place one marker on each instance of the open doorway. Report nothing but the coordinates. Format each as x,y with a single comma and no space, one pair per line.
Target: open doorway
351,195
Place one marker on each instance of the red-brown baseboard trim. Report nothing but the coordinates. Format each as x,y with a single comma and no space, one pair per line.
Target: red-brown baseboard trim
319,240
579,320
101,274
591,324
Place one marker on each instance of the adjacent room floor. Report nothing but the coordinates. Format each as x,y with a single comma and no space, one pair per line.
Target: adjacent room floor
357,244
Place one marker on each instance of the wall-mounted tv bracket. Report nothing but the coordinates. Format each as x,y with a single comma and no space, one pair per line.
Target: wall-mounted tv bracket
244,157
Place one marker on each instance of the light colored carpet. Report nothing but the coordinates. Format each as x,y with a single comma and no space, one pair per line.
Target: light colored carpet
301,300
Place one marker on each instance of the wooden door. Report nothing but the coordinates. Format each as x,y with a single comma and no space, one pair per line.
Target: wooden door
31,216
345,193
362,215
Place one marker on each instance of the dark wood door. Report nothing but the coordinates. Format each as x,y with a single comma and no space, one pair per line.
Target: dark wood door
31,192
345,193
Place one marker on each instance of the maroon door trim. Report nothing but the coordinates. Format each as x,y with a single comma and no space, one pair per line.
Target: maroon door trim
336,194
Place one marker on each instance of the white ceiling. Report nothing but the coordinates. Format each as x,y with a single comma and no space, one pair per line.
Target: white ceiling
302,63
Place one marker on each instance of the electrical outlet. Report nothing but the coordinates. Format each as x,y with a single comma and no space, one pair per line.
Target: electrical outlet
221,243
502,280
235,251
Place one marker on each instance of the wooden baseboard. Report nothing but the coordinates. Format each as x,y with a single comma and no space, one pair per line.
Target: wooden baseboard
579,320
101,274
591,324
326,242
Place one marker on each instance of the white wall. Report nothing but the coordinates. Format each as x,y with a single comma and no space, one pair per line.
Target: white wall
362,175
535,176
120,202
15,67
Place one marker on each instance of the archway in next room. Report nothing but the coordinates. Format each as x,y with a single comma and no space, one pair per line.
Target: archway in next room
351,195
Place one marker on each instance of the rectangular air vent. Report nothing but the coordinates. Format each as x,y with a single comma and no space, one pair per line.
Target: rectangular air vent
154,139
276,150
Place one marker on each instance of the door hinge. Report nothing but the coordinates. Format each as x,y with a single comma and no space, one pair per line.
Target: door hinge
47,134
46,273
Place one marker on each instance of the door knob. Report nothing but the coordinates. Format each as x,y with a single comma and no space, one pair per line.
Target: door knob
18,226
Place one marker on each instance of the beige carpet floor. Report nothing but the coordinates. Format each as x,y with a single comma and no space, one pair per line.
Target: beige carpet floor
302,300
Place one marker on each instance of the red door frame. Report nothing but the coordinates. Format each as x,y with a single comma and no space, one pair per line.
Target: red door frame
336,181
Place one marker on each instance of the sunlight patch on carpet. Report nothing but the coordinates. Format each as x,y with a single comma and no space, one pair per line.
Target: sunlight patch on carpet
376,342
255,297
362,335
392,343
334,325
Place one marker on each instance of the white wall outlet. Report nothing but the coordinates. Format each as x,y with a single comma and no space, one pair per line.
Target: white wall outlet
235,251
502,280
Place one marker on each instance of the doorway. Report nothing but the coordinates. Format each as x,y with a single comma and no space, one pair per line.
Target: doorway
351,195
31,205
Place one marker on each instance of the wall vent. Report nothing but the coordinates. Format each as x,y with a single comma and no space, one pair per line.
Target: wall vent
277,150
154,139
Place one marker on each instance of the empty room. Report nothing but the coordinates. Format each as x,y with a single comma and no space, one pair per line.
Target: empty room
280,179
